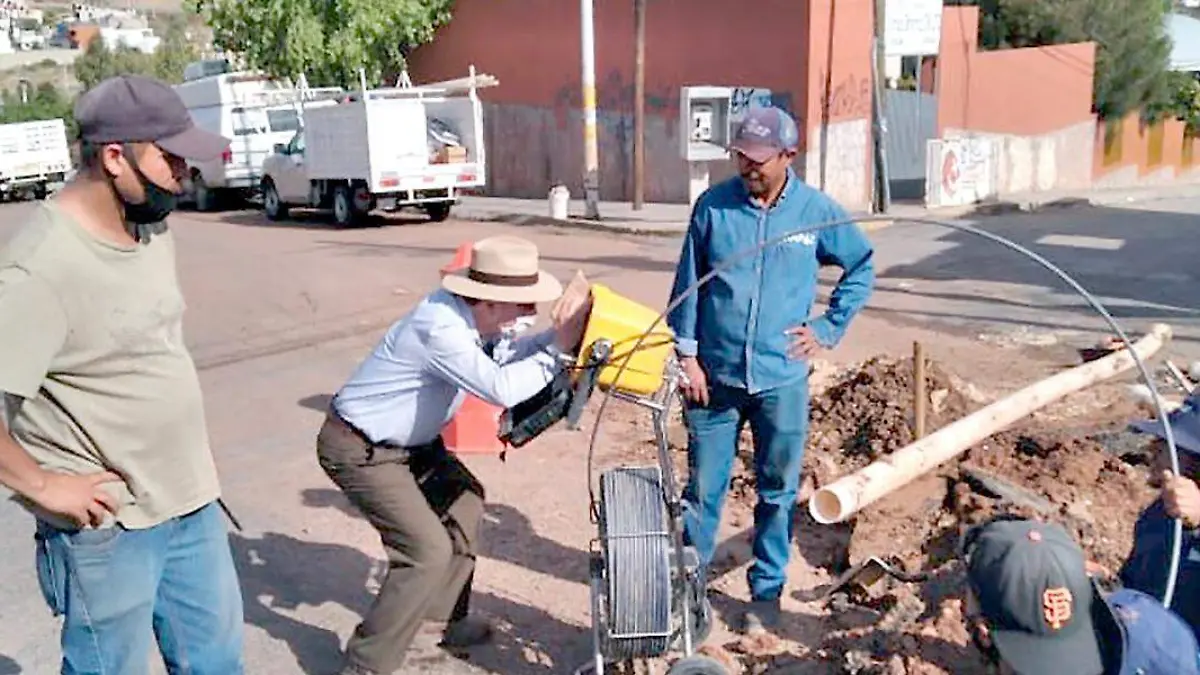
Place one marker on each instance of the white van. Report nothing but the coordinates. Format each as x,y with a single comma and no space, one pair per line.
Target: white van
253,110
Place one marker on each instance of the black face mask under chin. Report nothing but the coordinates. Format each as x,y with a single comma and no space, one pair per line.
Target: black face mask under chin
146,218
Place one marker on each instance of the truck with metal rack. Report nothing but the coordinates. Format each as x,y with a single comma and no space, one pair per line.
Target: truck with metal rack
385,148
255,111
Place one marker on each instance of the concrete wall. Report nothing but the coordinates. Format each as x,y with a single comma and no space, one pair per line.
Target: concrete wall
534,121
1129,153
1035,103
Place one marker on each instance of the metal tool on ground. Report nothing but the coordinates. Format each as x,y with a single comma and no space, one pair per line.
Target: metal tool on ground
866,573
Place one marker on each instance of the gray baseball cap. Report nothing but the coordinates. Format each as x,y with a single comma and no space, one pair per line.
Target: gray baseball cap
138,109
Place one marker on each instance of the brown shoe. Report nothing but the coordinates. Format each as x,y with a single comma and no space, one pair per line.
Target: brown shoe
469,632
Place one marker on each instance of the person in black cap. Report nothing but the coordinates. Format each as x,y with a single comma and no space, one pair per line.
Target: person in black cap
1149,562
1034,610
102,432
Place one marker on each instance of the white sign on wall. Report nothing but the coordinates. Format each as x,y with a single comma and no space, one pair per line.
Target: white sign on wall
960,171
912,27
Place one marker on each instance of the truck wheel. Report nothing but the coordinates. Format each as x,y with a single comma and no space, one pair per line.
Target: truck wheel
439,211
344,213
40,191
273,206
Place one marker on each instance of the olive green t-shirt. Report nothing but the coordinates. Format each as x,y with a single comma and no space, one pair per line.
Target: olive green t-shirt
91,338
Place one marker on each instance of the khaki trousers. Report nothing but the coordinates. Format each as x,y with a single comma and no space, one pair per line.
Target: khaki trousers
427,507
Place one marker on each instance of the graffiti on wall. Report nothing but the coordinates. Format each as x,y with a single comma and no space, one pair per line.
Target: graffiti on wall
847,98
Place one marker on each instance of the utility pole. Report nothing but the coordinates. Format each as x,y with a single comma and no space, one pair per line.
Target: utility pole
639,104
882,197
591,153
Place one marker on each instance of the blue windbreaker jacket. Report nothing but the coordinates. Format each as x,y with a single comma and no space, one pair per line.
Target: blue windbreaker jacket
736,324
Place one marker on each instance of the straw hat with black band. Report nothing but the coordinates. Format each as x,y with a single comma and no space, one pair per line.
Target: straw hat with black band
504,269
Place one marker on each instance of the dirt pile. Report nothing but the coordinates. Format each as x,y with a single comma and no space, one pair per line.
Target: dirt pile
1078,479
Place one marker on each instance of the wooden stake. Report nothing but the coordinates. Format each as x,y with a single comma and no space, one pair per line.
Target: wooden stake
920,397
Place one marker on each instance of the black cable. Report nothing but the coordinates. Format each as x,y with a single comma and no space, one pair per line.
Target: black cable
1160,411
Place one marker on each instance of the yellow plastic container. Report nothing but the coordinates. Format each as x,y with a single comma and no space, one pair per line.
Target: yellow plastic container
622,321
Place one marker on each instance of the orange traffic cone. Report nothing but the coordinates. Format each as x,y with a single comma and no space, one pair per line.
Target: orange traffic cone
474,428
461,261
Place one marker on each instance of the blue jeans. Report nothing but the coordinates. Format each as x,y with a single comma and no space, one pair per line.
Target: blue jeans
116,589
778,421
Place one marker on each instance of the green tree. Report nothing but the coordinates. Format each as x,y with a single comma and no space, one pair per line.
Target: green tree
1132,53
29,104
328,41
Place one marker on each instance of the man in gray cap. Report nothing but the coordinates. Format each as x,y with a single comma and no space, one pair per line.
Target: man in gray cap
102,436
746,338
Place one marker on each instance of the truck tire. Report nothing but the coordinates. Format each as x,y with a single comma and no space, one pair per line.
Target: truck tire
439,211
344,213
273,205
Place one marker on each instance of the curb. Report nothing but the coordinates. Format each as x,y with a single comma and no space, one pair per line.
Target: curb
572,223
868,222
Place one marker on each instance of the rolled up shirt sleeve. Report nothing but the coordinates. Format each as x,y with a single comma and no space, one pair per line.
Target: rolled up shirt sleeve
455,356
33,328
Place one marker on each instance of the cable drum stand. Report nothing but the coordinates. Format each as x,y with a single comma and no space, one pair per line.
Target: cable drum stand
647,589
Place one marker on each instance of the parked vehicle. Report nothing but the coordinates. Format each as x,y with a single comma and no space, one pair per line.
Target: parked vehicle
391,148
34,158
253,110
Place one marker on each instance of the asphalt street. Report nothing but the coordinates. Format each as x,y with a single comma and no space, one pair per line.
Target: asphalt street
279,314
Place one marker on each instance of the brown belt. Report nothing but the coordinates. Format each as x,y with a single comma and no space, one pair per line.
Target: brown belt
342,422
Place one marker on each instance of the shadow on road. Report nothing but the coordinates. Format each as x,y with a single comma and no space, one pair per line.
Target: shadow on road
1146,257
8,666
281,575
299,219
317,402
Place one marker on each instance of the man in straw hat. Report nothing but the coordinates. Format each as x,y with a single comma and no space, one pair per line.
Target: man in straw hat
381,442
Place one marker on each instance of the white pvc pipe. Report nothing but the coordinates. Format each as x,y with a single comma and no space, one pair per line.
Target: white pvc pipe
841,499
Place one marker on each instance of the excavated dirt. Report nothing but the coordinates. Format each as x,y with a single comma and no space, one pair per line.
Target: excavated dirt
1074,467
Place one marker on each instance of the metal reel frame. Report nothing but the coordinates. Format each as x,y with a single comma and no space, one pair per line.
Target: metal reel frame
690,614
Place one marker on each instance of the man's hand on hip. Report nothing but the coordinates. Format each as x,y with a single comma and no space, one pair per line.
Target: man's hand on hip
696,385
80,499
804,343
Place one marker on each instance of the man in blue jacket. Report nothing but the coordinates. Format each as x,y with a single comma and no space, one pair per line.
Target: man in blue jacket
745,338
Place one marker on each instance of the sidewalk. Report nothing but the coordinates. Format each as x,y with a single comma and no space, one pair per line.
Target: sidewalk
671,219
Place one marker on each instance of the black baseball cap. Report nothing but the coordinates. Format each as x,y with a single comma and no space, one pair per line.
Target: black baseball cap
1185,425
1045,615
139,109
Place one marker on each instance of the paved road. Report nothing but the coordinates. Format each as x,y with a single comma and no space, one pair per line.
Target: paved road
280,313
1141,261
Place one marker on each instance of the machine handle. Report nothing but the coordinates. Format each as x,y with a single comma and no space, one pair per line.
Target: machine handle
598,355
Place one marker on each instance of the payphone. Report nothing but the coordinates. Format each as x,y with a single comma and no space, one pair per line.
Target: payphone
704,132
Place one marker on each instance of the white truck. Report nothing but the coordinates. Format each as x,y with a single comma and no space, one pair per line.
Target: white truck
253,110
34,158
406,146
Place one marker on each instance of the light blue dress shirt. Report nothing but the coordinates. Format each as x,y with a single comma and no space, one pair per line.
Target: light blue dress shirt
415,379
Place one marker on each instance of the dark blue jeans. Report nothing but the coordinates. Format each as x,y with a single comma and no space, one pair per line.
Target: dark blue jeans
778,421
117,590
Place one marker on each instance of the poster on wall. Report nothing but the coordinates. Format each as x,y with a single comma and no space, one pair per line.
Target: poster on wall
912,27
960,171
